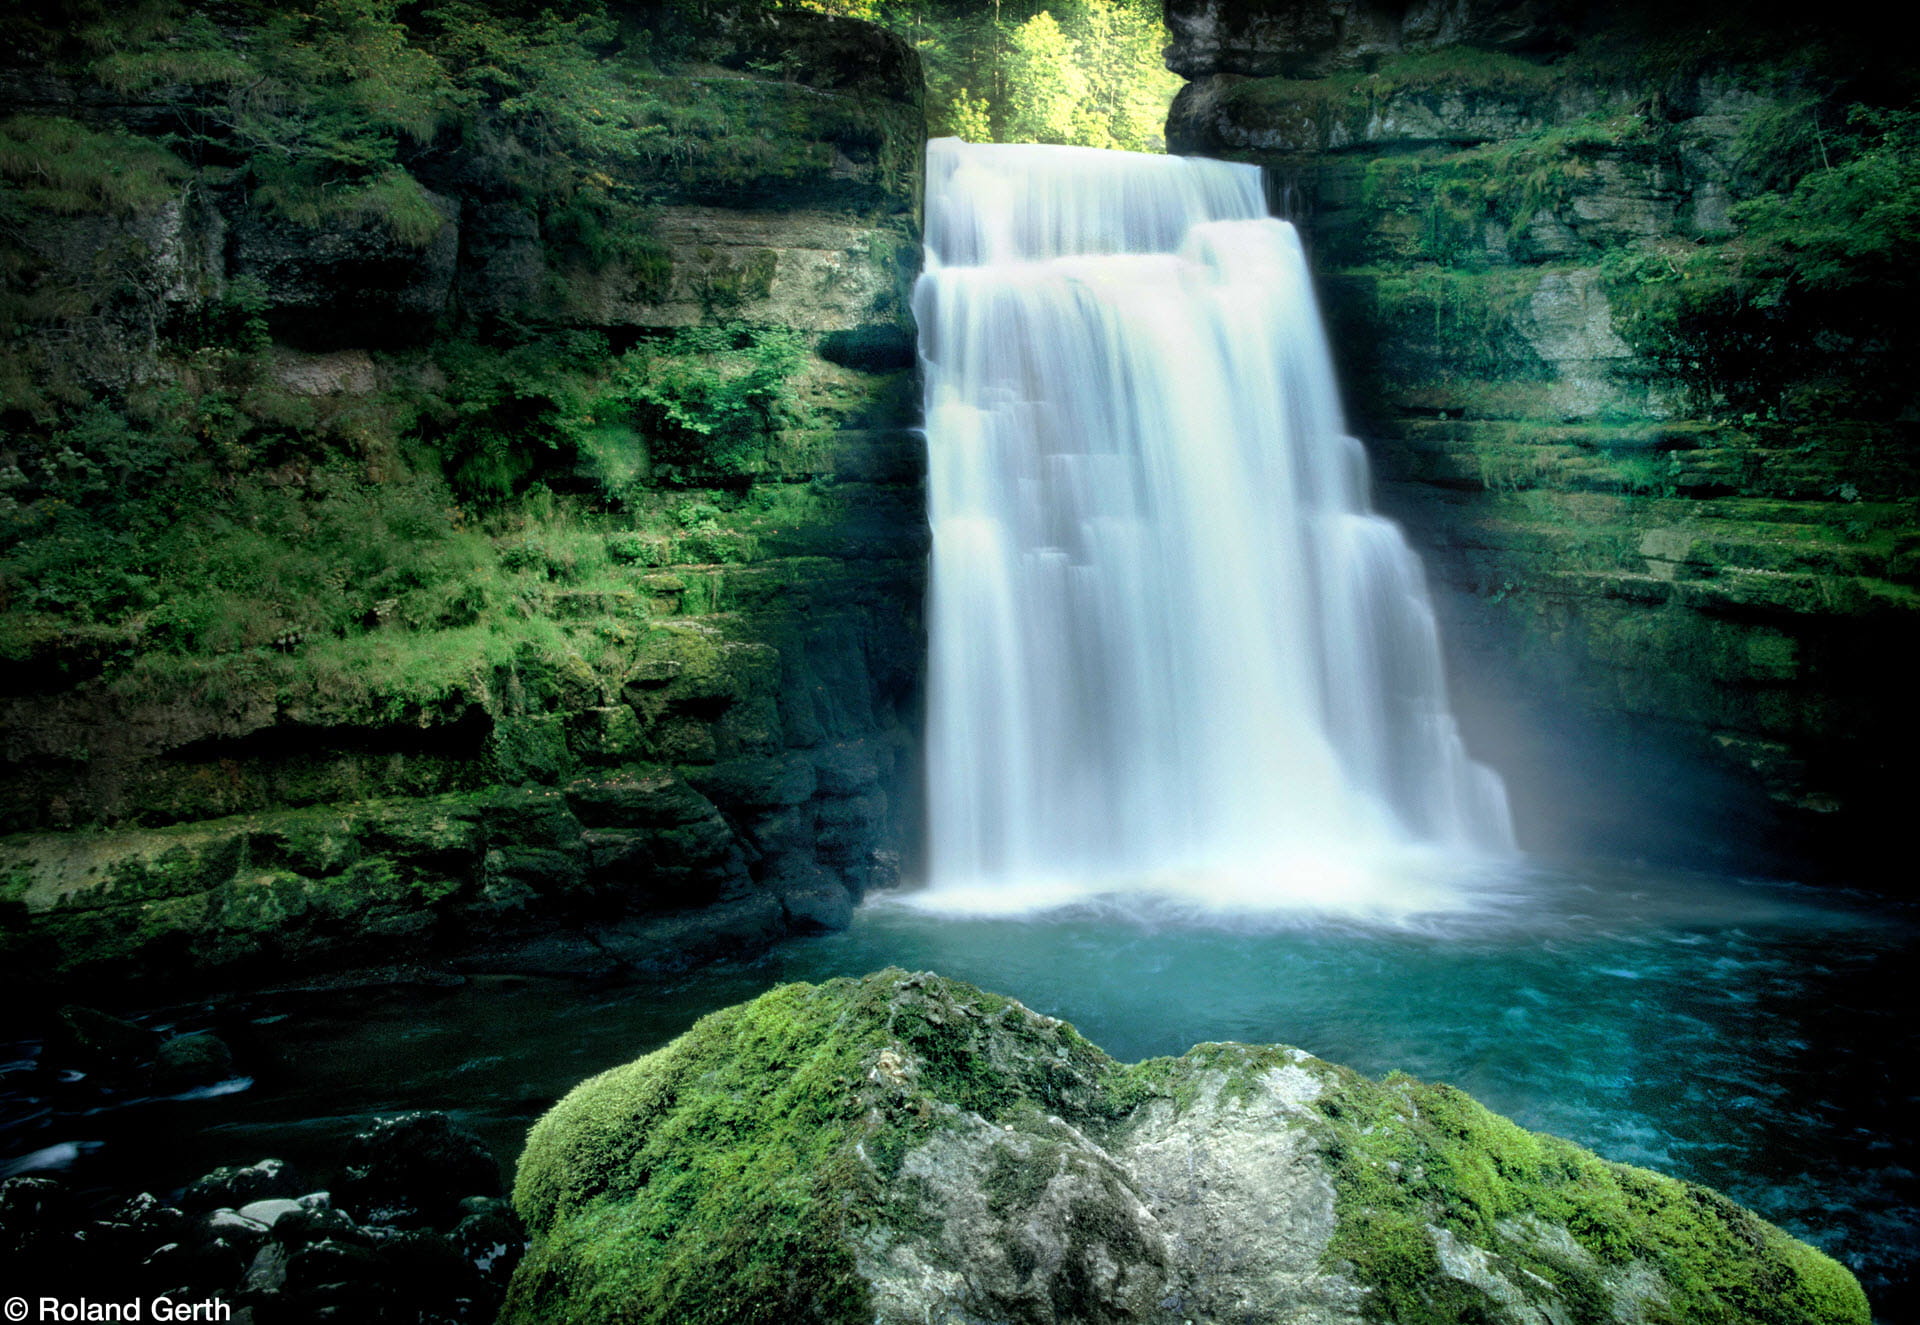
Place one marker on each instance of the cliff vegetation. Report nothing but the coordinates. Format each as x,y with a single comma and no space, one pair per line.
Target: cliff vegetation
406,400
1622,296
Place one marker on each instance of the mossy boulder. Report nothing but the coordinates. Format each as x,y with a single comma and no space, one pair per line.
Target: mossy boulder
187,1061
910,1148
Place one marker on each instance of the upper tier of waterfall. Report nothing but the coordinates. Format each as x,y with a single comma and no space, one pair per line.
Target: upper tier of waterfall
993,203
1169,639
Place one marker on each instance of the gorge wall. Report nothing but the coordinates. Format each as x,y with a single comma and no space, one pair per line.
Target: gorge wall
1619,298
458,494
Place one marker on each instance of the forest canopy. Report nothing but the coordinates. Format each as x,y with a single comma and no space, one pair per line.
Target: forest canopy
1089,72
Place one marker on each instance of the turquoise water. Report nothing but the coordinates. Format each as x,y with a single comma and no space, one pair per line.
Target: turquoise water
1751,1036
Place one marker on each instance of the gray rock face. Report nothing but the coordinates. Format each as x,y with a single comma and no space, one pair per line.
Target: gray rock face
1217,1209
811,269
1309,38
1555,335
357,274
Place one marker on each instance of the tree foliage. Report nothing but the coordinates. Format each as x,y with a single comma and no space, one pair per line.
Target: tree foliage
1045,85
1848,217
1069,71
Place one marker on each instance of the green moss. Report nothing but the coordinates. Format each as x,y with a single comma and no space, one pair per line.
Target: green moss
1452,197
531,748
85,943
723,1177
1409,1157
1455,323
724,284
1453,70
741,1129
130,904
727,1176
15,879
427,585
52,164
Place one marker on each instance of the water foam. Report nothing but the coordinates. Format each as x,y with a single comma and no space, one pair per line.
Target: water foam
1173,650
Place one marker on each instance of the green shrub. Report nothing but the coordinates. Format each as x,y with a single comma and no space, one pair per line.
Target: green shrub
707,399
1851,223
511,412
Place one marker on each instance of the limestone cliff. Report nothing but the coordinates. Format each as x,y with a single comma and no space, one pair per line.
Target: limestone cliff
475,502
1618,299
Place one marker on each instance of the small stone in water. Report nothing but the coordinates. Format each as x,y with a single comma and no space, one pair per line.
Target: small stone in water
268,1212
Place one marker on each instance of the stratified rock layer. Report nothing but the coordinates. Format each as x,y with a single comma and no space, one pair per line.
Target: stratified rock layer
701,746
1302,38
909,1148
1663,475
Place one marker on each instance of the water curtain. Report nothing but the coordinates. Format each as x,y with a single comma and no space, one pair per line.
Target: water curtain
1169,637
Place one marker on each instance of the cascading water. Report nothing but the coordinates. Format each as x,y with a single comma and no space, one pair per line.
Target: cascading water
1172,648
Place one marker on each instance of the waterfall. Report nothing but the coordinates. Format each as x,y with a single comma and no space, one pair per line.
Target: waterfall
1171,645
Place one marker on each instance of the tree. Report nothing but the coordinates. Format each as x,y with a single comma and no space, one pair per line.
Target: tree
1079,71
1045,85
968,117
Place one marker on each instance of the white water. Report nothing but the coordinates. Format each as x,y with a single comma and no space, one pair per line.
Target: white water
1173,650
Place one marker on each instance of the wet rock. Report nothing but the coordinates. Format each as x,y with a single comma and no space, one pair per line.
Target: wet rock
268,1272
415,1169
530,817
299,1227
490,1237
149,1221
169,1262
331,1269
758,781
632,802
204,1265
27,1203
845,827
36,1219
233,1187
620,860
283,1260
422,1268
270,1212
566,954
516,879
814,901
677,942
103,1042
186,1061
232,1225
